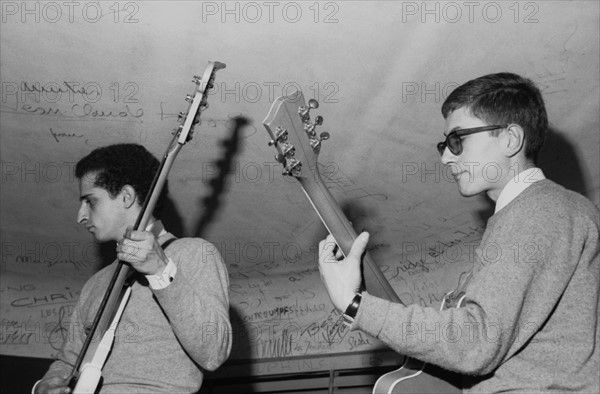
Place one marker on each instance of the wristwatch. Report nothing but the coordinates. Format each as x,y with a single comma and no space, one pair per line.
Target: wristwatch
350,313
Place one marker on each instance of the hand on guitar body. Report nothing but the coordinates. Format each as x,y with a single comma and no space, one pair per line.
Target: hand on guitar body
142,251
58,384
341,276
119,185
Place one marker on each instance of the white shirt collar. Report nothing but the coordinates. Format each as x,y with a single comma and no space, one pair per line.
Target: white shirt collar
157,228
517,185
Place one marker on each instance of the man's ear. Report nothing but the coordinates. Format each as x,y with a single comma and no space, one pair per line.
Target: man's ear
515,141
128,196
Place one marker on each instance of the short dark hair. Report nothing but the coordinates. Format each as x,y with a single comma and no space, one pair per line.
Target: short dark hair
504,98
122,164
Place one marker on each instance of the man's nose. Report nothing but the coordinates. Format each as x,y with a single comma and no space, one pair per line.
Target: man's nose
82,214
447,156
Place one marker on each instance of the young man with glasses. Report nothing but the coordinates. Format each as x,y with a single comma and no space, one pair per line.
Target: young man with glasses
528,321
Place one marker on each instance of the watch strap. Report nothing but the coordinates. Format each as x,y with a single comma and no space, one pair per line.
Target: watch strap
352,309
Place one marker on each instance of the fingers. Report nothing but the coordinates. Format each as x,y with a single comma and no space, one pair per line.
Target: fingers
53,385
127,248
359,245
337,252
328,248
342,278
133,243
137,235
142,251
330,252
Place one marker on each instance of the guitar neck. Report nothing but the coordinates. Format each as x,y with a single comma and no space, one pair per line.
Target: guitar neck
340,227
113,295
110,302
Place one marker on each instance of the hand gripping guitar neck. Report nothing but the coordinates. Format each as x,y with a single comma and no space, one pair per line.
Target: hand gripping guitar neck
87,369
298,147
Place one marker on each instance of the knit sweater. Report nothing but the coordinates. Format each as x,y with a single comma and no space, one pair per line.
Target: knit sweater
165,337
530,319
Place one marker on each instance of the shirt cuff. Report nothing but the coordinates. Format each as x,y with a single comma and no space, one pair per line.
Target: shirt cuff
161,281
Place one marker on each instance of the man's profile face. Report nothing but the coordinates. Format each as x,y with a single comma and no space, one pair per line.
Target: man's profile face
103,216
480,166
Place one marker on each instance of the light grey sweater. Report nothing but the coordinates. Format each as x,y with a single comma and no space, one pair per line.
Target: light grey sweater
165,337
530,318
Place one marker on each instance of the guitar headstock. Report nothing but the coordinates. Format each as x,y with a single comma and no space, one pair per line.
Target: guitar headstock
292,134
198,103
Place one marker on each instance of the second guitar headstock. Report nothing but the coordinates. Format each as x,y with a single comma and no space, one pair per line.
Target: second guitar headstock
292,133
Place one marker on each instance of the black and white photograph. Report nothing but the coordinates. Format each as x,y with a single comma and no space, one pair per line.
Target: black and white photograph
308,197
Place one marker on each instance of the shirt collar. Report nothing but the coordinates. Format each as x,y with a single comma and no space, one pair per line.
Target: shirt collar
157,228
517,185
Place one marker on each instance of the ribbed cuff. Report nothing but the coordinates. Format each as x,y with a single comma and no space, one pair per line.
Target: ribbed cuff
371,315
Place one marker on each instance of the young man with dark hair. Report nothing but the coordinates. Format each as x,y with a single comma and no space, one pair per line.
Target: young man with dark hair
528,321
176,322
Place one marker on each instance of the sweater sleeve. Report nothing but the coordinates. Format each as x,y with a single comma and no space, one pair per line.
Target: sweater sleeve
73,344
65,360
523,266
197,302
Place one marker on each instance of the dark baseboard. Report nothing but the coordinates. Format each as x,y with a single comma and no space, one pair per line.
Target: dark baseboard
19,374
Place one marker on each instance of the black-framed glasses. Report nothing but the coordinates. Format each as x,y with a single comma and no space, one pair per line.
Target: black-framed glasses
453,139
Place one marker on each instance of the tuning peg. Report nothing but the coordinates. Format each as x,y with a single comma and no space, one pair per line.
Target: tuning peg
293,167
315,143
310,127
280,158
177,130
281,135
181,115
189,98
304,111
289,150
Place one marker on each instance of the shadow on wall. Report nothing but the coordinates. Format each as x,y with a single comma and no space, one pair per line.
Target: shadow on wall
210,204
560,163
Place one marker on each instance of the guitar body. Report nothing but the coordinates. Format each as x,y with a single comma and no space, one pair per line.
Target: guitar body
415,377
298,146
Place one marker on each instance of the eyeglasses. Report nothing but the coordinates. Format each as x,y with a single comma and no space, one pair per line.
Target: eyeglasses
453,139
